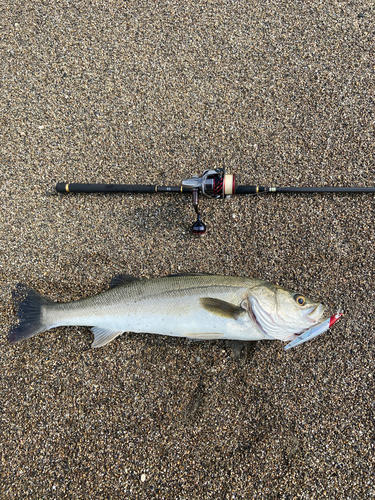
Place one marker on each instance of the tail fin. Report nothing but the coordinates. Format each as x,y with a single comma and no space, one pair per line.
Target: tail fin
29,310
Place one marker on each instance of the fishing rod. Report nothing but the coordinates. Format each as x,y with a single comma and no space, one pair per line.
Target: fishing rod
212,184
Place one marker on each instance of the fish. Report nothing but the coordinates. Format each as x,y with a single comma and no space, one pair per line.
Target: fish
192,305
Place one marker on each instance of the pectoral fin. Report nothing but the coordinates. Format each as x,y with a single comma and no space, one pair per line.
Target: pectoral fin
103,336
221,308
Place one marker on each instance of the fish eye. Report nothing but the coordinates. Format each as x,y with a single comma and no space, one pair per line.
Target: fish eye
300,299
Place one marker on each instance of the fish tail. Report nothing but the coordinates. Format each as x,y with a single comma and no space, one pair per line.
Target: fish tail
29,305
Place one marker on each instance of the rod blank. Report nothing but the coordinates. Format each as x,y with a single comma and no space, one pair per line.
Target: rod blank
325,190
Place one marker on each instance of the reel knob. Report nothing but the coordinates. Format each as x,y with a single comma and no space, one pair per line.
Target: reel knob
199,228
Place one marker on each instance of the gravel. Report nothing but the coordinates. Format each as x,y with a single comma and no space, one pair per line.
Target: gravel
279,93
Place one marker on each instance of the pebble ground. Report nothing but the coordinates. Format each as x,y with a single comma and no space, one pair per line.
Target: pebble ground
280,93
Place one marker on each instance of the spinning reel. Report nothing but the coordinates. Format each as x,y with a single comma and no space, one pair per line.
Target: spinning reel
213,184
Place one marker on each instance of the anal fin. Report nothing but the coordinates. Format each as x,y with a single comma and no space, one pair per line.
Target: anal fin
102,336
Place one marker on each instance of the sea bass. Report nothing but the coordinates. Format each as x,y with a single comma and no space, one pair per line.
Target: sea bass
197,306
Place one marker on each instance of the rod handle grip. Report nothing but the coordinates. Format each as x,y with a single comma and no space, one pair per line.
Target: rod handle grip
62,187
247,190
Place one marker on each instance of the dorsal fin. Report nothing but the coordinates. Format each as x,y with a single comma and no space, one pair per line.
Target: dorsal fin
188,274
122,279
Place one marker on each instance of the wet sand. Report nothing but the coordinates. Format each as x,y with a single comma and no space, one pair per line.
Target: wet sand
278,93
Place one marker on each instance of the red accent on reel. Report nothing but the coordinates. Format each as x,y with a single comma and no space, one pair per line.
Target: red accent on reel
218,186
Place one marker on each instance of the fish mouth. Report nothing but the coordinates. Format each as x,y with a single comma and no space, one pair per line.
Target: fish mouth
314,313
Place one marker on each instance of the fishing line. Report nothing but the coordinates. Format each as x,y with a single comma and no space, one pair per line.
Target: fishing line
338,249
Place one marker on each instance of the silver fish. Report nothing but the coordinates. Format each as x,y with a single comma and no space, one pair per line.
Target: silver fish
198,306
